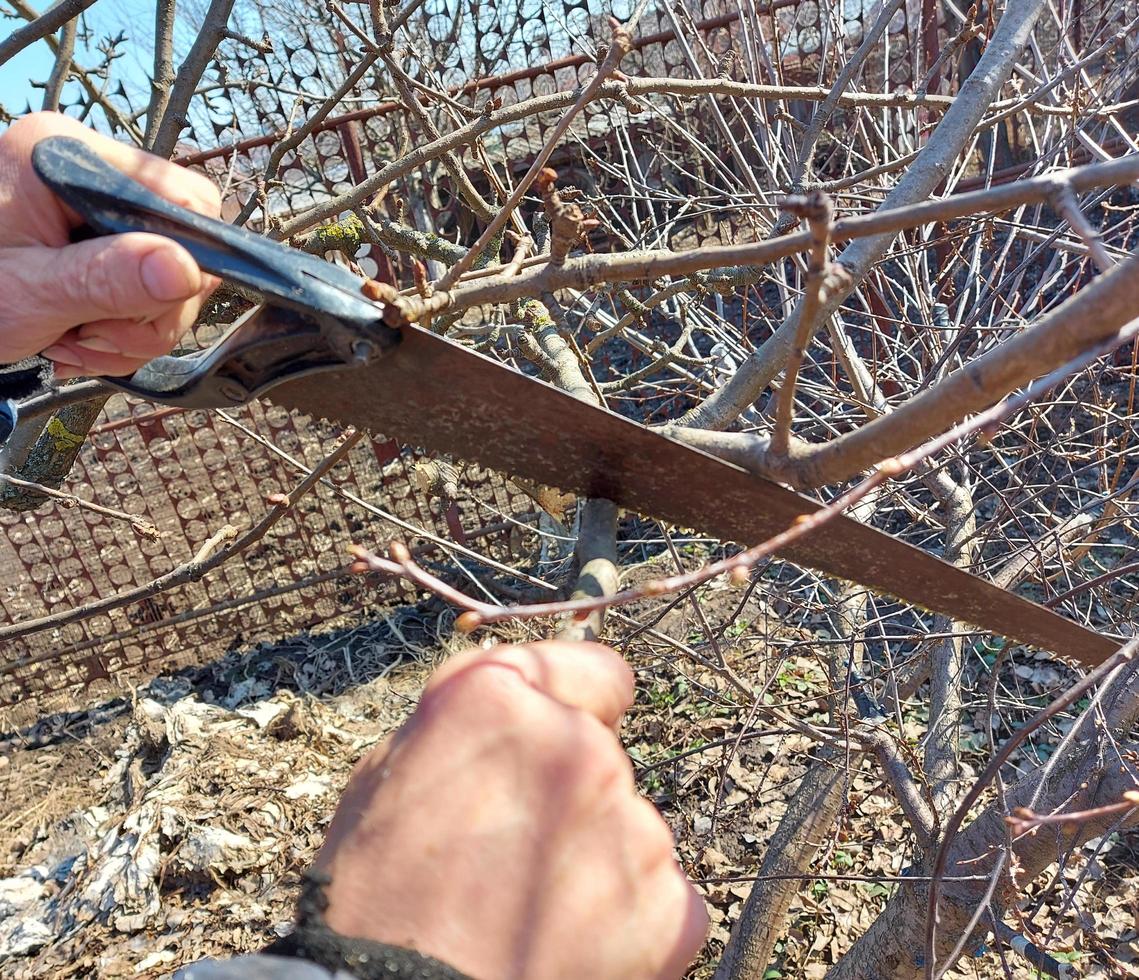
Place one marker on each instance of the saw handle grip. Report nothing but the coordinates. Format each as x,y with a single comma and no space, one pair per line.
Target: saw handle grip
112,203
315,318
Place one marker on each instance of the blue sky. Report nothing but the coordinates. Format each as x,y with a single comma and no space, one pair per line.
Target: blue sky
135,18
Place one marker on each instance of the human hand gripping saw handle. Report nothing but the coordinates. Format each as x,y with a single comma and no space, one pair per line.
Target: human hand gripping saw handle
314,316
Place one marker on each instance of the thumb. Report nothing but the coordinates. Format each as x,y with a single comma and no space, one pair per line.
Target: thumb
587,676
129,277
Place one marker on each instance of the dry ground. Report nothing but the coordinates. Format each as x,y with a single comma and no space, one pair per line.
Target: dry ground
172,823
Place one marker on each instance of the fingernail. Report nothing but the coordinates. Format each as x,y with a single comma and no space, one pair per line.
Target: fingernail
67,373
61,355
169,274
100,344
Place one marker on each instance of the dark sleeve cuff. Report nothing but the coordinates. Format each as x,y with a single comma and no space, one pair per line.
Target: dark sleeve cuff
314,941
31,376
391,963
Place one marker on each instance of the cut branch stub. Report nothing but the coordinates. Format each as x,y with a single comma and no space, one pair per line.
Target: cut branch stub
568,222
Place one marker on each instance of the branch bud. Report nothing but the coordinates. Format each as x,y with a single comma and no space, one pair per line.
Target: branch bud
468,622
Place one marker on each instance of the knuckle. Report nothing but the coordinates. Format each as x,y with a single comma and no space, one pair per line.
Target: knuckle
210,196
102,284
191,190
687,909
148,347
164,332
28,130
19,130
697,921
114,366
483,688
650,834
601,767
35,123
374,760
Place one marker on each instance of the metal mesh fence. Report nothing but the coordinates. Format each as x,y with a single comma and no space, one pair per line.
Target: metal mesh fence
190,473
506,54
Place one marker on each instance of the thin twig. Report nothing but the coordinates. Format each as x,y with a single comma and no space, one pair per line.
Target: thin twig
1024,819
1069,208
47,23
140,524
620,43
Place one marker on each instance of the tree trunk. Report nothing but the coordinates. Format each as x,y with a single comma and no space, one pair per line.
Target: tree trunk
1079,777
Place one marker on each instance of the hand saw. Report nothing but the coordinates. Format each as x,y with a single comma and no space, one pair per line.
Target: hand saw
318,346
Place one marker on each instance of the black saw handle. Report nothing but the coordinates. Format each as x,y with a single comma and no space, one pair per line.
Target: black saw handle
315,317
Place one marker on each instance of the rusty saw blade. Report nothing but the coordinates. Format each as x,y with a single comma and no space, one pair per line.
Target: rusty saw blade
433,393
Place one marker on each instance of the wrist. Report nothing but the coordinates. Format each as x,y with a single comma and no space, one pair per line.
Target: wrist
320,941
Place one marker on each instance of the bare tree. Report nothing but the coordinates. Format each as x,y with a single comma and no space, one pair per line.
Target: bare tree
947,348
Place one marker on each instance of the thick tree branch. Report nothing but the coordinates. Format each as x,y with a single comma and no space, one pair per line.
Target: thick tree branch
947,662
598,574
162,83
1078,325
47,23
61,70
803,831
818,212
43,450
203,50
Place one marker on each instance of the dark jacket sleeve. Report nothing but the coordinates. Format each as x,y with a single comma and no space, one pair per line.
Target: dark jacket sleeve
313,951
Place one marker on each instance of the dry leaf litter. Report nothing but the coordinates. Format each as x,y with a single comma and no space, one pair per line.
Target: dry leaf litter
150,831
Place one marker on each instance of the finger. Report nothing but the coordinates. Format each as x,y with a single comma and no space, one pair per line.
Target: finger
122,277
185,187
116,348
690,928
209,284
141,340
91,364
72,361
588,676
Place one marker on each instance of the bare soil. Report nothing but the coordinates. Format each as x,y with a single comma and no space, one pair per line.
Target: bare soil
172,823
